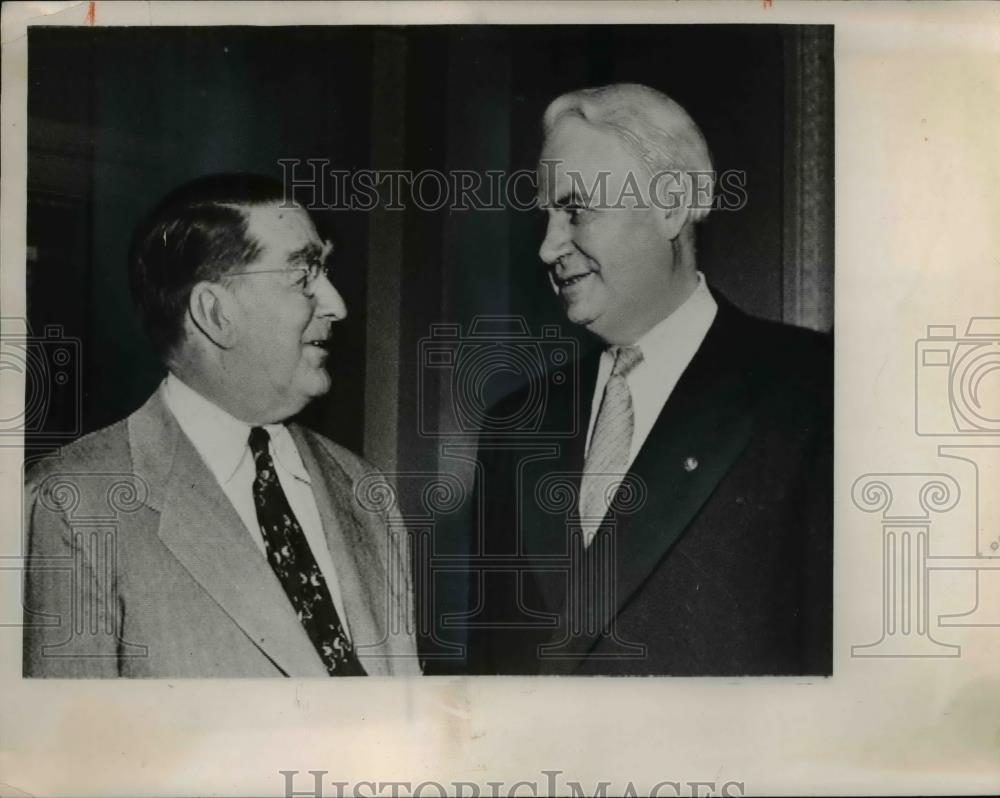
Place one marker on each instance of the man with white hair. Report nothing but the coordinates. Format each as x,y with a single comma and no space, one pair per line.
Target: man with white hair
699,537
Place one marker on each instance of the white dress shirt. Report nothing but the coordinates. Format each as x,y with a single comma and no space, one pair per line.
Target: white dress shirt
222,441
667,350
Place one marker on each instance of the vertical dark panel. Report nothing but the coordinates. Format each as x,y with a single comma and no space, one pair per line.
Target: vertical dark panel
422,290
809,170
475,274
479,124
138,114
385,256
422,286
58,235
476,260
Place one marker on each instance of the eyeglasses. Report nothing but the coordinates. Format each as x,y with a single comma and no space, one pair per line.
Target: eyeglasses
310,272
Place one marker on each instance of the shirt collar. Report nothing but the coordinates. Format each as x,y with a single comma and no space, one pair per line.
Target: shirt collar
687,323
222,439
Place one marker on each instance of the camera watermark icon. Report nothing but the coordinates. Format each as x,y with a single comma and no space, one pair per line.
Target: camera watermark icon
958,379
957,394
51,412
496,351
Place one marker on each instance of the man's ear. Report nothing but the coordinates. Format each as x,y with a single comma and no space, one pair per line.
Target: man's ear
673,221
212,310
672,203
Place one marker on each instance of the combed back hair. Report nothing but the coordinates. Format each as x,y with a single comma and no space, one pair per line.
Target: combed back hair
197,232
652,127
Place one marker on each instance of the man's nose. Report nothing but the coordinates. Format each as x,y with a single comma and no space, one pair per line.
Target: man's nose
557,242
329,302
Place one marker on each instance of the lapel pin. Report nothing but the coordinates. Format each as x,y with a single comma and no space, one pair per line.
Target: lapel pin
690,464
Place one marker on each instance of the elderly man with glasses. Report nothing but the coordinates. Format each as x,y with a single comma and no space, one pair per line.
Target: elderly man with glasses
238,546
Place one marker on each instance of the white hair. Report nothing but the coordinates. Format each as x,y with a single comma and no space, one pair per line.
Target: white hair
652,127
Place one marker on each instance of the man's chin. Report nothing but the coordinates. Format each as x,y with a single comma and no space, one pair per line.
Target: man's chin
591,322
320,386
314,385
580,315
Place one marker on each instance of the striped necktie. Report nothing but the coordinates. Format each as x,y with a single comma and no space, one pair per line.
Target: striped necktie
607,459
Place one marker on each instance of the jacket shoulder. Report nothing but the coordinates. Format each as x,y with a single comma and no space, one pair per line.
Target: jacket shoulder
782,357
102,450
354,465
792,341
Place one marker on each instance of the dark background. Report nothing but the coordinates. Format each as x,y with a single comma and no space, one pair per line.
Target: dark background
119,116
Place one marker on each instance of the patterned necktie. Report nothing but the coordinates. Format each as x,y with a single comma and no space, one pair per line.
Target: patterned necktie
293,563
607,459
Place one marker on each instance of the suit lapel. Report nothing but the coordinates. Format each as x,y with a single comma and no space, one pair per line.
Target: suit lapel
203,531
701,431
360,571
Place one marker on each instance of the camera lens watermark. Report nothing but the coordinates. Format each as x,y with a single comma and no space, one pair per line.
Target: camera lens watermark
957,397
476,365
50,365
958,379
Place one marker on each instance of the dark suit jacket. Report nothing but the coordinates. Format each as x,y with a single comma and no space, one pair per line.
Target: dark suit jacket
139,565
723,567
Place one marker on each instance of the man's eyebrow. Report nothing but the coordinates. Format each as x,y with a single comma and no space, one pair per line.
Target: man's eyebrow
310,253
569,199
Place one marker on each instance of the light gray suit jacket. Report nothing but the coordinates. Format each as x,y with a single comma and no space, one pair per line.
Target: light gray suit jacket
140,566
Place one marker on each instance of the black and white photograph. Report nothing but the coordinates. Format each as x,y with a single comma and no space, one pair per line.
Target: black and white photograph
495,360
573,302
